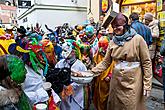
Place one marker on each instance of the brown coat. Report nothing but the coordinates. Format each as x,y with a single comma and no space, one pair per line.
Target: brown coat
126,87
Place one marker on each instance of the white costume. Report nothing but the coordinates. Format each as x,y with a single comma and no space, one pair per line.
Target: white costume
75,101
33,86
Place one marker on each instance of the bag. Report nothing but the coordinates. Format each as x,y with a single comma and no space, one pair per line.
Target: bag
158,66
59,77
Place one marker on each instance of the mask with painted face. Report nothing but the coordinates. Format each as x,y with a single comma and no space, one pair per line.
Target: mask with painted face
67,49
89,30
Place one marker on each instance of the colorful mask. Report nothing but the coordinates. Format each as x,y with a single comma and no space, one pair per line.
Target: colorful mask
103,44
49,51
89,30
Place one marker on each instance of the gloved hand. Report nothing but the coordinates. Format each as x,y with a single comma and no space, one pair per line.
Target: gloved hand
107,78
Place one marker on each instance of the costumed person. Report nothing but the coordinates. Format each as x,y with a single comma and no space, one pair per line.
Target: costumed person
37,28
9,30
77,29
9,46
12,74
73,100
2,31
132,75
41,59
40,55
88,45
21,33
58,50
49,51
102,82
55,40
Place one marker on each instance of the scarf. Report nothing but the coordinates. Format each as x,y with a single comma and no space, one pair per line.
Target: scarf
120,40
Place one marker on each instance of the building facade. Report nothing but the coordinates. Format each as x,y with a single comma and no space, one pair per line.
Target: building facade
7,13
53,13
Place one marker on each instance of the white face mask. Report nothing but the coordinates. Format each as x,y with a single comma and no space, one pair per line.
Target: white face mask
65,54
67,49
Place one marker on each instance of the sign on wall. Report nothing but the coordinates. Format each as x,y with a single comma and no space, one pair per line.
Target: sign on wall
105,5
24,4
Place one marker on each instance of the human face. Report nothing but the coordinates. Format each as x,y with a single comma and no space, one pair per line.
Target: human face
101,18
147,22
91,20
119,30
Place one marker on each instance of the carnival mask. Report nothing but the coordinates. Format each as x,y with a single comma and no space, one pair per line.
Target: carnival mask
49,51
67,49
103,44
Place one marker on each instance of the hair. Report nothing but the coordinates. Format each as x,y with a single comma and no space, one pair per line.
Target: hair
102,14
126,26
134,16
28,28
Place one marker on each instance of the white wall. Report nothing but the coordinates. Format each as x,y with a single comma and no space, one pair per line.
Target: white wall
54,12
32,18
80,3
56,17
94,9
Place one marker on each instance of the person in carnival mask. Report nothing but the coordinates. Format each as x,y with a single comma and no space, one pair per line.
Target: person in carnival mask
102,82
12,74
73,101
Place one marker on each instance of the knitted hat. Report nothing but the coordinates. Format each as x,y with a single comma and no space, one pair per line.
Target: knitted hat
148,16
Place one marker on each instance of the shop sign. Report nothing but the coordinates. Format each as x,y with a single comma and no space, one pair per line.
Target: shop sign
159,5
161,17
105,5
128,2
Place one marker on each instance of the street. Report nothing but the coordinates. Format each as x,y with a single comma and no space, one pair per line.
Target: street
154,102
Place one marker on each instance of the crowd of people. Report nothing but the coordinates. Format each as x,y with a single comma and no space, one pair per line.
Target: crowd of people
36,67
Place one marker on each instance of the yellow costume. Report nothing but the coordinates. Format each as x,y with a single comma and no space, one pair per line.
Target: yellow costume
101,86
2,32
4,46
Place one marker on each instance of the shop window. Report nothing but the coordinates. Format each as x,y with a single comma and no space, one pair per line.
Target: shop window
139,8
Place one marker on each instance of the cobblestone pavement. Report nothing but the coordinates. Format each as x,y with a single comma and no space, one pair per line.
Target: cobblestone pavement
154,102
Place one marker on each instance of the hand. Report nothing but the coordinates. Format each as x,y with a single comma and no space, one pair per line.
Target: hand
76,74
146,93
107,78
